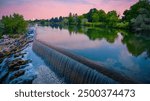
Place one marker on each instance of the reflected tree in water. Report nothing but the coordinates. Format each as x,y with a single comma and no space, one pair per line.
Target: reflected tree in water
137,44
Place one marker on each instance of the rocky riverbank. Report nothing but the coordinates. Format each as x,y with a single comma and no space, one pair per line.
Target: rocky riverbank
13,67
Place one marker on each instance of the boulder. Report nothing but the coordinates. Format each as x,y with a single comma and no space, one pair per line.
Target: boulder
17,74
16,64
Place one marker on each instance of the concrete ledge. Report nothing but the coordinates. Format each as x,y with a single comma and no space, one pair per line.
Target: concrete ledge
118,77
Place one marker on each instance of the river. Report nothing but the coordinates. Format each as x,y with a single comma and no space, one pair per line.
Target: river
124,52
44,73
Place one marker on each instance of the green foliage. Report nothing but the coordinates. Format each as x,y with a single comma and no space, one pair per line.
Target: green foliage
14,24
1,28
97,33
138,16
44,22
73,19
142,21
95,17
122,25
112,18
70,19
80,19
65,21
134,10
137,44
90,14
102,15
133,18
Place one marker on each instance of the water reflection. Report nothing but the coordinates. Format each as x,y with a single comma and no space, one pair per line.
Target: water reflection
118,50
136,44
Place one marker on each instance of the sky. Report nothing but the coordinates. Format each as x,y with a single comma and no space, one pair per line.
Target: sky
46,9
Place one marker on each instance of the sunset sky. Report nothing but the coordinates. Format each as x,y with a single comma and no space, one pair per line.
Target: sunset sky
45,9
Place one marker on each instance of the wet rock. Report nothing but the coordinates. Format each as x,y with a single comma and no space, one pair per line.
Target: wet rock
19,54
1,60
14,49
13,68
17,63
6,53
1,55
3,74
17,74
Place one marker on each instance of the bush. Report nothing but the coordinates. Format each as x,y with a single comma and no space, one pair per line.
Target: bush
122,25
14,24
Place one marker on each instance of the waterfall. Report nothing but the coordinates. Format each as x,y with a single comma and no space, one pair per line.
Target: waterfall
72,70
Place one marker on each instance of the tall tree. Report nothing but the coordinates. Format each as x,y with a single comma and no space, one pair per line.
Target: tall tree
138,16
102,15
95,17
112,18
134,10
90,14
142,21
70,19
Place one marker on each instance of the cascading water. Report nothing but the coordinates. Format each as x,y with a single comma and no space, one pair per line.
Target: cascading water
72,70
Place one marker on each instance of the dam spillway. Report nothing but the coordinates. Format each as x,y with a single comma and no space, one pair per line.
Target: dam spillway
76,69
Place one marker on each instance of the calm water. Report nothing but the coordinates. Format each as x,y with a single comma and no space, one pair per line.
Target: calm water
124,52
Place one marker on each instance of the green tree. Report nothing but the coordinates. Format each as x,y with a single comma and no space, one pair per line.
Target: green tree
90,14
142,21
75,19
138,16
80,19
136,44
102,15
1,29
134,10
112,18
65,21
95,17
14,24
70,19
60,19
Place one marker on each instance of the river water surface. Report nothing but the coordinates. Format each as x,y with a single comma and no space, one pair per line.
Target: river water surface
126,53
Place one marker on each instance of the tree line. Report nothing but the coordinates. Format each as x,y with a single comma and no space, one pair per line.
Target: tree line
137,18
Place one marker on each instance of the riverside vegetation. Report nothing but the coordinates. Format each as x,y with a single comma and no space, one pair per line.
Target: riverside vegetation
136,19
13,68
13,39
